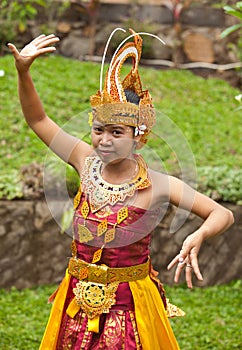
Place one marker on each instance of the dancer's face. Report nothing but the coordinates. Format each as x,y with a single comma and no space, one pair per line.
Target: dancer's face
113,142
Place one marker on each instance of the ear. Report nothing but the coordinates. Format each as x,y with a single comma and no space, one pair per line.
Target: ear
137,141
137,138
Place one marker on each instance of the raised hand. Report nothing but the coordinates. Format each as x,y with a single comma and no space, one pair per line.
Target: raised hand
37,47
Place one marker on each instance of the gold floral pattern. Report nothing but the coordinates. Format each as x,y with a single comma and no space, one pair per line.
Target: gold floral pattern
114,335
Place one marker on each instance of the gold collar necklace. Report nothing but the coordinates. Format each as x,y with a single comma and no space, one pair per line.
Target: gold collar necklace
100,192
128,178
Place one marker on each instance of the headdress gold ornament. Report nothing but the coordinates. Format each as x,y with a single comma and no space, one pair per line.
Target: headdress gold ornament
110,106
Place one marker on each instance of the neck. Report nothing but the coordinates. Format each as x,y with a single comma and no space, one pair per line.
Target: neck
120,172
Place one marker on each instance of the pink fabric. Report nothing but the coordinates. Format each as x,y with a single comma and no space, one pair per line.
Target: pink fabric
138,225
117,328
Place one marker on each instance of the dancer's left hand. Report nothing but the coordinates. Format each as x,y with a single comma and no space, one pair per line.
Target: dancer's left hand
188,259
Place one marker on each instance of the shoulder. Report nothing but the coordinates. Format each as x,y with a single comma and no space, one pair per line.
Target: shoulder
80,153
163,181
160,186
167,187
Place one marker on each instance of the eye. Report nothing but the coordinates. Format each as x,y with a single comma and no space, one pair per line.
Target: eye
97,129
116,132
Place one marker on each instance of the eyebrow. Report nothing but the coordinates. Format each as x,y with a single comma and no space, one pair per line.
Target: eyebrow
112,126
97,124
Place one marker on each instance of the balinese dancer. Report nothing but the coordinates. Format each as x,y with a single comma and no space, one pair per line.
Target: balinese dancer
110,297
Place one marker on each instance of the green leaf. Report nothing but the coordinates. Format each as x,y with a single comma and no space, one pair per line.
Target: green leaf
22,27
229,10
4,3
41,2
30,10
239,5
230,30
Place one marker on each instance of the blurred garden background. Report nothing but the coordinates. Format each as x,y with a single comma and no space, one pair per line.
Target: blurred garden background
195,81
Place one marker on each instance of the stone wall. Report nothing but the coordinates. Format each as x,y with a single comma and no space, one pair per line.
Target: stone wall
34,252
191,34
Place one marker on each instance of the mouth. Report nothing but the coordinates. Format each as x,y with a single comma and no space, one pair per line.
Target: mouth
104,152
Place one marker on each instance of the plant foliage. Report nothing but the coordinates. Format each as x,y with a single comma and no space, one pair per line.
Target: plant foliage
14,15
235,11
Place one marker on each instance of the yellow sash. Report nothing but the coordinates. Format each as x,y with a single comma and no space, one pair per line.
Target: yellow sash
153,325
50,338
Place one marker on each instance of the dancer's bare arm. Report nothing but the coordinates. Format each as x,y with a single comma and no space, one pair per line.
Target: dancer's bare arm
216,218
69,148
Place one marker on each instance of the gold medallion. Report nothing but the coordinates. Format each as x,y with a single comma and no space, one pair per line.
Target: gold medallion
95,299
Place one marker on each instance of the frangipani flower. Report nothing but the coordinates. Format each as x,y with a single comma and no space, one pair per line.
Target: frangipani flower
139,130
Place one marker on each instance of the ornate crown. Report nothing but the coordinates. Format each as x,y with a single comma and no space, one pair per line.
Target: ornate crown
110,106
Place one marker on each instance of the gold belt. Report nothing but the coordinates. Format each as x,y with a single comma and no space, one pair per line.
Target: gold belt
102,274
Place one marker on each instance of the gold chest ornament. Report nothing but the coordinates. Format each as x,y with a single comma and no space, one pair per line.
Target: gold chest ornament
92,293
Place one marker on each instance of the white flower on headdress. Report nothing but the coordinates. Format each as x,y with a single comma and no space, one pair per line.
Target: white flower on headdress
140,130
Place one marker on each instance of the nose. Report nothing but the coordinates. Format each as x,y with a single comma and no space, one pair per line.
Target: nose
106,139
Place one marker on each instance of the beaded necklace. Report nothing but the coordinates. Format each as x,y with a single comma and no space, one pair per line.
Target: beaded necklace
101,193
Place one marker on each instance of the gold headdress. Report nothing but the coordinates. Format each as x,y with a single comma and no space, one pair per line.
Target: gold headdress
110,106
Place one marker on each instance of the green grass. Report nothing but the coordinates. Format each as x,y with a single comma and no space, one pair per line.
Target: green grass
212,321
204,112
213,317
